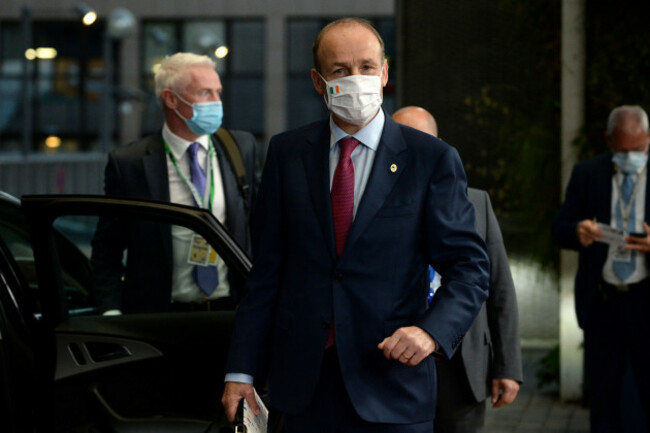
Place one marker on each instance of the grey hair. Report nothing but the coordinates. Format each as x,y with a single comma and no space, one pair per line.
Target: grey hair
172,71
633,111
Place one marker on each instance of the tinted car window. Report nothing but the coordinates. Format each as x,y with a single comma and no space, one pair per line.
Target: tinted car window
141,266
75,265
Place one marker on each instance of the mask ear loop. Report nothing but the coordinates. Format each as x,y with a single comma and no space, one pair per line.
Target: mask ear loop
325,99
186,103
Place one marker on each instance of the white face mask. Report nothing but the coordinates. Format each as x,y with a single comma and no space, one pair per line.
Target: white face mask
355,98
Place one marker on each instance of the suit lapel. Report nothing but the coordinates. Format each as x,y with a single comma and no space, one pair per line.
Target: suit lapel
154,163
391,153
316,162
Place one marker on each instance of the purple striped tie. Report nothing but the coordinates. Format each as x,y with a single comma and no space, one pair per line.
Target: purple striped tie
206,277
342,203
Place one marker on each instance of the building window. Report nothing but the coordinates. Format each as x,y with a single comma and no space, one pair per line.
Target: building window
61,79
241,70
304,104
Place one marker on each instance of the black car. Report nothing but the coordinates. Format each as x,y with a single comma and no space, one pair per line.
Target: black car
64,367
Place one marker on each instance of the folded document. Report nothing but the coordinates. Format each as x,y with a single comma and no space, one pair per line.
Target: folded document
247,421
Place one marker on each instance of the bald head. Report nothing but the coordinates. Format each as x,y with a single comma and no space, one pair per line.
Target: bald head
418,118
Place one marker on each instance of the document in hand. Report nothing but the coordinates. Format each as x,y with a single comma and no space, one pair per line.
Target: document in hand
247,421
611,235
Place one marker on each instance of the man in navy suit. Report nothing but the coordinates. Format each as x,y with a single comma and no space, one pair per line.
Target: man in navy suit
157,276
488,362
351,211
612,286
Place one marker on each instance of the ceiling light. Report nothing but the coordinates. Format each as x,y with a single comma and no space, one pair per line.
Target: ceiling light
221,52
88,15
53,142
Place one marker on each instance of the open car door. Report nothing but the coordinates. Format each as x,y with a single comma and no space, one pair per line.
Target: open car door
146,368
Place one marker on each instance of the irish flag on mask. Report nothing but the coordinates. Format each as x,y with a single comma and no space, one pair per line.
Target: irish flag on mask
334,89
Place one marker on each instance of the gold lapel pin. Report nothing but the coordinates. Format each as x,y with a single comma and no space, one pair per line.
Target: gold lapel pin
393,168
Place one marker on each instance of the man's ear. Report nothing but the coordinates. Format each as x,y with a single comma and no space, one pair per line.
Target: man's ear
169,99
384,73
319,85
608,140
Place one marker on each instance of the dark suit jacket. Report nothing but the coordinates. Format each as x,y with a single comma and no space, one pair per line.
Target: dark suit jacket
406,220
491,347
139,170
588,196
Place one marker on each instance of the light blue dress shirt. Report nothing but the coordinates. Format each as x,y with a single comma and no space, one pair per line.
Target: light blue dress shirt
362,157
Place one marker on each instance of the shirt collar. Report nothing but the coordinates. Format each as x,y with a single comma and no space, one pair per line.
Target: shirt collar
369,135
179,145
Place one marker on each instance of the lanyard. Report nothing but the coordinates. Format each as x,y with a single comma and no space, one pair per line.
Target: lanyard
626,208
195,193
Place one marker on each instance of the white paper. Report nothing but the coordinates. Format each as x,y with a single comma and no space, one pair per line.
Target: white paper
611,236
256,423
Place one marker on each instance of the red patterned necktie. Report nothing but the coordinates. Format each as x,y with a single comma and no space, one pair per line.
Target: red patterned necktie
342,203
343,193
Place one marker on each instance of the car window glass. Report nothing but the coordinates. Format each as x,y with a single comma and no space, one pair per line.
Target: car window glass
129,266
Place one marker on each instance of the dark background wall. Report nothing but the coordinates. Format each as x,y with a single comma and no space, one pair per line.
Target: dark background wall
489,72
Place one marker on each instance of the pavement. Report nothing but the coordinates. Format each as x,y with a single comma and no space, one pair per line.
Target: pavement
537,410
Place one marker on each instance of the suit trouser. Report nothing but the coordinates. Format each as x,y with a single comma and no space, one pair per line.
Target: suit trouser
331,410
618,328
457,411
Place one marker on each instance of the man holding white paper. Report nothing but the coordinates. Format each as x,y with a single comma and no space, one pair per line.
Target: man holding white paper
605,218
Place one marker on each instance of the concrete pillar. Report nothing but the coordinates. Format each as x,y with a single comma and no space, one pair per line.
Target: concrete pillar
275,112
573,118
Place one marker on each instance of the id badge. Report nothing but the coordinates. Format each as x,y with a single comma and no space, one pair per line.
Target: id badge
622,255
201,253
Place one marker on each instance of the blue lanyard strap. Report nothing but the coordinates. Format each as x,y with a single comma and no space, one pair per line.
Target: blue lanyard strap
195,193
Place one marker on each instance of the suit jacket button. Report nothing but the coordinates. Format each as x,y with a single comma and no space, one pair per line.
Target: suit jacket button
325,325
338,277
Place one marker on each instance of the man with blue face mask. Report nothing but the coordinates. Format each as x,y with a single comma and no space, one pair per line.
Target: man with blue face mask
612,287
351,211
186,163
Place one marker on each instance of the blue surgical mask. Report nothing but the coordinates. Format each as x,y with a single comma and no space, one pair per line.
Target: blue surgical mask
206,117
630,162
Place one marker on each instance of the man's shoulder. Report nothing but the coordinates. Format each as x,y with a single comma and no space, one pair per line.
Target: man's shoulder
477,196
138,148
595,162
242,136
305,130
245,140
419,141
313,133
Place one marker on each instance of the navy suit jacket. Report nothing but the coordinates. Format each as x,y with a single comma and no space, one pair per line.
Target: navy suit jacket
588,196
407,219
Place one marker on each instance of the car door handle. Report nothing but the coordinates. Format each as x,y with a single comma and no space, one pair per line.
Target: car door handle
102,352
80,353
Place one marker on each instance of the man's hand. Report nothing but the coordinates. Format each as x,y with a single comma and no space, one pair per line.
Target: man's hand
587,231
504,391
233,393
641,244
409,345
